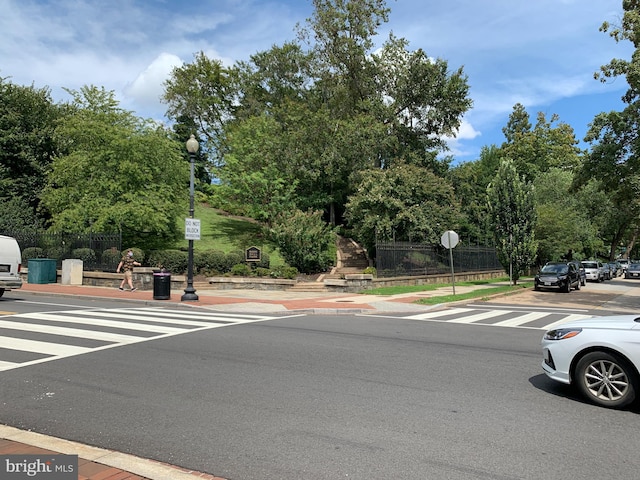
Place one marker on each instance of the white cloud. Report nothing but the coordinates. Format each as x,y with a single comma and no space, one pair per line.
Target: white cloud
538,53
145,91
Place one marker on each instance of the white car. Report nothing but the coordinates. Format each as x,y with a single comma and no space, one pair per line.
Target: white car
593,270
10,265
600,356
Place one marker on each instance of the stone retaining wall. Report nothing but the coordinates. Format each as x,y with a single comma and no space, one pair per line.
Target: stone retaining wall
143,279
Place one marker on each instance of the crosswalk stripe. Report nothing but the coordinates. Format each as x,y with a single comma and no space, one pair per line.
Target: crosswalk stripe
440,313
35,346
520,320
145,327
172,320
193,314
158,323
479,316
68,332
473,315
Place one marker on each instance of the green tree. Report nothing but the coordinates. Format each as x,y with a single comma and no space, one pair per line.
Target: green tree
339,108
535,150
404,202
119,173
470,181
27,121
512,212
614,157
567,220
254,178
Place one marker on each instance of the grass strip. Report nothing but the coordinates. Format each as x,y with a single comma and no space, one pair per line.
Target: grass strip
483,293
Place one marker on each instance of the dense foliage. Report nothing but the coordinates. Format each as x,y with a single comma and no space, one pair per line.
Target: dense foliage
513,219
333,128
115,173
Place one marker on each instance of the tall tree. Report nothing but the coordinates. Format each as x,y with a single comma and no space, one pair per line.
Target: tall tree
614,157
512,212
404,202
202,93
27,121
568,220
550,143
340,108
119,173
470,181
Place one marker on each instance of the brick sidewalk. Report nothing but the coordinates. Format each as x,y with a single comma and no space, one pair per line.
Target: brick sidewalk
93,463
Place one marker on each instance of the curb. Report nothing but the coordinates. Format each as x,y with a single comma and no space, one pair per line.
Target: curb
149,469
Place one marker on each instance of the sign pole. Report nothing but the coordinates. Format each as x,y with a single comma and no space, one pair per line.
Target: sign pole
453,278
449,240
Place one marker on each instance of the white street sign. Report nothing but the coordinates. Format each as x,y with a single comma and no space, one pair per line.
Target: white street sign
192,229
449,239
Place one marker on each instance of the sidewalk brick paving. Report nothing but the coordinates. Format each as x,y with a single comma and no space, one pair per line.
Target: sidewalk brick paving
92,470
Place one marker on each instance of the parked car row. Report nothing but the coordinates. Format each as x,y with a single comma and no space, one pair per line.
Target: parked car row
565,276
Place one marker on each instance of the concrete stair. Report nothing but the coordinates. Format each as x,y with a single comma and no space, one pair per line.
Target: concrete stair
352,259
316,286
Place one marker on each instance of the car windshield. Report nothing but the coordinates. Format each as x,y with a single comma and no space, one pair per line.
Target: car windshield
590,264
555,269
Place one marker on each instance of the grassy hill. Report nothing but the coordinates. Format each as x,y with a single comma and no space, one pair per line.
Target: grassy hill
219,231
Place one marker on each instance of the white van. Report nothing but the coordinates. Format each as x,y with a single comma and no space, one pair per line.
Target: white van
10,264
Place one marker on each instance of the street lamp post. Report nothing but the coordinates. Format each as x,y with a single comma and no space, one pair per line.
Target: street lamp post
190,292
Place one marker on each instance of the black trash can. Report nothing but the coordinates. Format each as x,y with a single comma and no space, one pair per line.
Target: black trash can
161,285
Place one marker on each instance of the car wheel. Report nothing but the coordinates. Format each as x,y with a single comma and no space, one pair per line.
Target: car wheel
567,287
606,379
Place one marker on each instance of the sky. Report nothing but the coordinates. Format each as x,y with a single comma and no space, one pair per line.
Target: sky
540,53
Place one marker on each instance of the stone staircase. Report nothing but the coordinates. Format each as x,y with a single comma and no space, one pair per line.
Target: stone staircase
352,258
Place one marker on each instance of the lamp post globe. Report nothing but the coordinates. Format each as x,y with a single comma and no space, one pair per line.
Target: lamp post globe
190,292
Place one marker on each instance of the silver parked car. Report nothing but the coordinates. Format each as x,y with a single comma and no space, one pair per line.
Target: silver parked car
632,271
593,270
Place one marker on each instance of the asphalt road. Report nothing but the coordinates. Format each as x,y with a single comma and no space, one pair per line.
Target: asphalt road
330,397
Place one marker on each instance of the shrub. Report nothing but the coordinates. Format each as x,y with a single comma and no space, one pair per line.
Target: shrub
175,261
211,262
241,270
264,260
111,257
87,255
371,271
31,252
285,272
231,259
262,272
304,240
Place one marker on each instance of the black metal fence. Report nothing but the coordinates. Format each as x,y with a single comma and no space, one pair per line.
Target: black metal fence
395,259
98,251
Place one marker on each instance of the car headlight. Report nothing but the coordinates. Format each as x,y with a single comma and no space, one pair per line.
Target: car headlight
561,333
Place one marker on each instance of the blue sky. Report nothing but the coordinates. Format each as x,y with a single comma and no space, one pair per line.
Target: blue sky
541,53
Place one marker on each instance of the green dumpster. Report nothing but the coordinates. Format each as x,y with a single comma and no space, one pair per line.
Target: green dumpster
41,270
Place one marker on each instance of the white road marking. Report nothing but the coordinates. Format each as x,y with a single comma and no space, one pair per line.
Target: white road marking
159,323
